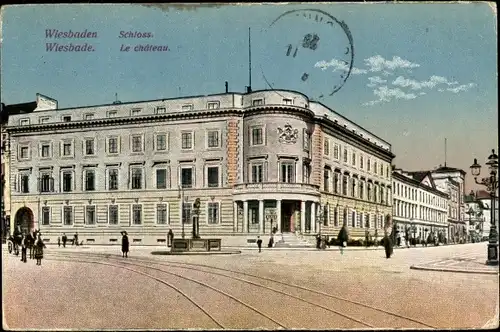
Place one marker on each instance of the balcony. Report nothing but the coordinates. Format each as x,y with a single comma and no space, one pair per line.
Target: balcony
276,187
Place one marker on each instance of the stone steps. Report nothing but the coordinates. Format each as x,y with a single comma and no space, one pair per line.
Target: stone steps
291,240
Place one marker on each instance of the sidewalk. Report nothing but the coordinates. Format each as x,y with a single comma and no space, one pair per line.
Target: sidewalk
473,265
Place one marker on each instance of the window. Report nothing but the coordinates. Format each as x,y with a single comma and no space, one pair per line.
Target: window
361,162
45,215
381,170
369,191
187,177
161,214
24,122
344,185
213,213
361,189
375,167
253,215
353,219
186,212
354,158
307,140
287,172
326,147
89,147
24,152
113,145
67,181
353,187
212,176
326,215
306,173
257,102
68,215
161,110
161,178
66,118
89,116
213,105
112,114
359,220
326,179
45,150
367,221
46,183
213,139
368,165
89,180
288,101
187,140
375,193
336,151
188,107
67,149
257,136
136,214
44,119
137,145
90,215
257,175
345,216
336,217
336,182
24,182
161,142
345,155
113,214
136,112
113,179
136,177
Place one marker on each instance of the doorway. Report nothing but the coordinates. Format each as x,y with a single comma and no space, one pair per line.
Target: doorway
24,220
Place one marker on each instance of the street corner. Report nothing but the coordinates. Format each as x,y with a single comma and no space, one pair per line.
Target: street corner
462,264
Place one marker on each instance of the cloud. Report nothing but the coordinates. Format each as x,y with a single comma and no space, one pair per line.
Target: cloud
463,87
385,94
338,65
431,83
377,63
374,80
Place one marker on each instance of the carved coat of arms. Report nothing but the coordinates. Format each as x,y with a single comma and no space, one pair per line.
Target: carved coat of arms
288,135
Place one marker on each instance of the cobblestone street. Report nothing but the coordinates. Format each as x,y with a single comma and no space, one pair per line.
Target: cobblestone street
97,288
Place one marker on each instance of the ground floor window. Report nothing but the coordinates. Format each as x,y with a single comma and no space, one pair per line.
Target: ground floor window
68,215
186,213
161,214
45,215
113,215
213,213
137,214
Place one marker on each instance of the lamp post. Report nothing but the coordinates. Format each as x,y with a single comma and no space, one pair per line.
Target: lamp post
470,212
491,183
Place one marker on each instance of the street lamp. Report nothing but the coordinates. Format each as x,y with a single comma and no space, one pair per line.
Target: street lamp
491,183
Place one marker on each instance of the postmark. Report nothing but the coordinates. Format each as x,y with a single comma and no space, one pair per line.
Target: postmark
304,38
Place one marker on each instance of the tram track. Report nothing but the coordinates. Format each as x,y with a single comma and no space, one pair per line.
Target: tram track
302,293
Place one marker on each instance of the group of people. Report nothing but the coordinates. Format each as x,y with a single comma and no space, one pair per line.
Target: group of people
64,238
32,242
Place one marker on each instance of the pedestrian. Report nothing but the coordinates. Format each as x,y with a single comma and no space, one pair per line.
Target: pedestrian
318,241
75,239
259,243
399,239
388,246
59,242
24,245
31,242
271,242
64,239
39,245
342,238
125,244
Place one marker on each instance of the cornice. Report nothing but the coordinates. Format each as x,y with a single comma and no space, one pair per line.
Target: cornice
124,120
278,109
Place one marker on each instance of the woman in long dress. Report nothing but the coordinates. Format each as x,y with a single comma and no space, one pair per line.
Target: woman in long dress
125,244
342,238
39,245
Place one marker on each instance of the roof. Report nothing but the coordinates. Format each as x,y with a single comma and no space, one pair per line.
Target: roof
446,169
483,194
13,109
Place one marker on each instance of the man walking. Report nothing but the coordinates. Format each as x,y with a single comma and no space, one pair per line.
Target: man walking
125,244
24,245
259,243
64,239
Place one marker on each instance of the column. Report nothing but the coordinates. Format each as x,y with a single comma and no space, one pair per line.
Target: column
235,216
278,214
302,217
245,216
261,216
313,217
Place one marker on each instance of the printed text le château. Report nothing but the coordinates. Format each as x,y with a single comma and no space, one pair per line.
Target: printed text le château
57,47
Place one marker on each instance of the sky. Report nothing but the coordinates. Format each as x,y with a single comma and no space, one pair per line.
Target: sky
412,74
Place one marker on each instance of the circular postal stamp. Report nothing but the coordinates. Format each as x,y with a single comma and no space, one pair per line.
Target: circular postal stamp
303,45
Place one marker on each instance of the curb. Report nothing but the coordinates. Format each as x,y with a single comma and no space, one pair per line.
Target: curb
423,268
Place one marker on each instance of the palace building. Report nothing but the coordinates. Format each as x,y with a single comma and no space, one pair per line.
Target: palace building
256,161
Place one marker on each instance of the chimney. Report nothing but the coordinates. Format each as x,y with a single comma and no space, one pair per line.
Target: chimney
227,87
249,89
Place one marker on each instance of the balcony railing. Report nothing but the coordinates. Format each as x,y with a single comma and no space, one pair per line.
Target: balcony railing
276,187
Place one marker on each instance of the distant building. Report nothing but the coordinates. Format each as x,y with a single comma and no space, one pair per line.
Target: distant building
485,198
419,208
256,160
476,211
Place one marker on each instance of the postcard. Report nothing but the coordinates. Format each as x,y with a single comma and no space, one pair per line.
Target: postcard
259,166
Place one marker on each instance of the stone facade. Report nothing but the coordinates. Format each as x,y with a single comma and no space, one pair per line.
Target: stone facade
257,162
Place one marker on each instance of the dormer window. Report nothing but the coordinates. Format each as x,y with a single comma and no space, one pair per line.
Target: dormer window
258,102
44,119
287,101
213,105
188,107
161,110
112,114
89,116
66,118
24,122
136,112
